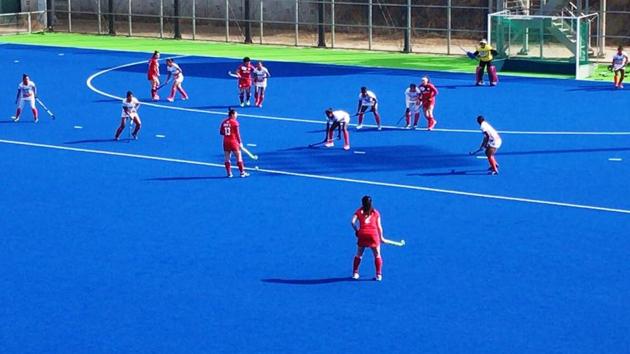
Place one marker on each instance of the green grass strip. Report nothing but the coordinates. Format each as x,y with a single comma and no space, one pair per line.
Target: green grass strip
429,62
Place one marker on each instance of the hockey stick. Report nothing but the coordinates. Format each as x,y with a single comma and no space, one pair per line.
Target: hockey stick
400,243
249,153
470,55
475,152
232,74
51,114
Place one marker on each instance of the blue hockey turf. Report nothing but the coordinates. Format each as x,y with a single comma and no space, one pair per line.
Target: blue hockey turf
144,246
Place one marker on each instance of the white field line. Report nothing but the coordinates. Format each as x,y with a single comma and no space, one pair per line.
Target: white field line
311,121
326,178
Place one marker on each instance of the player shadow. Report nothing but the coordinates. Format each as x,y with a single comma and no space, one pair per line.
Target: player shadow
106,100
473,172
563,151
594,88
235,106
311,281
87,141
197,178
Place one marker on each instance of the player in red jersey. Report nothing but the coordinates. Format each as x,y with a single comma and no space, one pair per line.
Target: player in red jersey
232,143
428,93
153,75
244,75
366,223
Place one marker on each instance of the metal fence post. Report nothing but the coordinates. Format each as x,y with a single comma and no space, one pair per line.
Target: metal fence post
129,18
227,20
449,26
370,25
248,23
194,19
110,10
297,20
69,15
321,34
178,33
30,28
161,18
98,12
50,15
261,21
407,42
332,23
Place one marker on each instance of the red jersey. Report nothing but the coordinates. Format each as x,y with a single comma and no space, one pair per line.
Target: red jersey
154,69
428,92
231,135
368,225
244,72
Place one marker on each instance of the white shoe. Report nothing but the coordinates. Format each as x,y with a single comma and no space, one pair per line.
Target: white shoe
346,147
407,126
15,119
379,128
378,277
359,126
247,103
170,99
328,145
229,175
184,98
244,174
242,104
355,276
156,98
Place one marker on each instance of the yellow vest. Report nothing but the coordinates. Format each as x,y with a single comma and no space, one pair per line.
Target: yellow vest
485,53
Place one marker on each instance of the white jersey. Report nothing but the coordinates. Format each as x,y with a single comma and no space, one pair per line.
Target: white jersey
619,60
176,72
340,116
369,99
260,76
412,97
494,140
27,91
130,108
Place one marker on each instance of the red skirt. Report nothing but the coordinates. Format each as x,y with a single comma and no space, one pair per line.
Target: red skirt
368,240
231,146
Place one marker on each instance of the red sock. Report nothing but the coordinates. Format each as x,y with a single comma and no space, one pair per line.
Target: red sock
378,118
355,264
378,263
360,118
329,135
493,163
346,137
408,118
17,112
181,90
616,79
261,98
153,92
35,113
241,166
416,118
228,167
172,92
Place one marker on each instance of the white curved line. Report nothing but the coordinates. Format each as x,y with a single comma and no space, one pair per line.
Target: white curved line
301,120
321,177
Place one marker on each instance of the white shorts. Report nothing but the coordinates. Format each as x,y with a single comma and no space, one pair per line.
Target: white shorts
260,84
618,67
179,79
495,144
414,107
133,115
21,101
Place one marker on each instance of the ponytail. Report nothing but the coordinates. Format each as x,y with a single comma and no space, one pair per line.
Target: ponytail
366,207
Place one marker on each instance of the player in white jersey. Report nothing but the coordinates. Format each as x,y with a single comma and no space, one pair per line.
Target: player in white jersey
130,107
337,119
178,77
413,105
491,143
26,92
367,100
619,62
260,75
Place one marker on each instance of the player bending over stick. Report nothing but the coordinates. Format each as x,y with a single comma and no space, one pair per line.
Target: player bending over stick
178,78
337,120
491,143
130,107
412,106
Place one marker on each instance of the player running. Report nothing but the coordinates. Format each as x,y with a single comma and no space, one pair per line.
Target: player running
412,106
260,74
130,107
232,143
337,119
491,143
244,75
153,75
366,223
428,93
26,92
485,53
619,62
178,77
367,100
